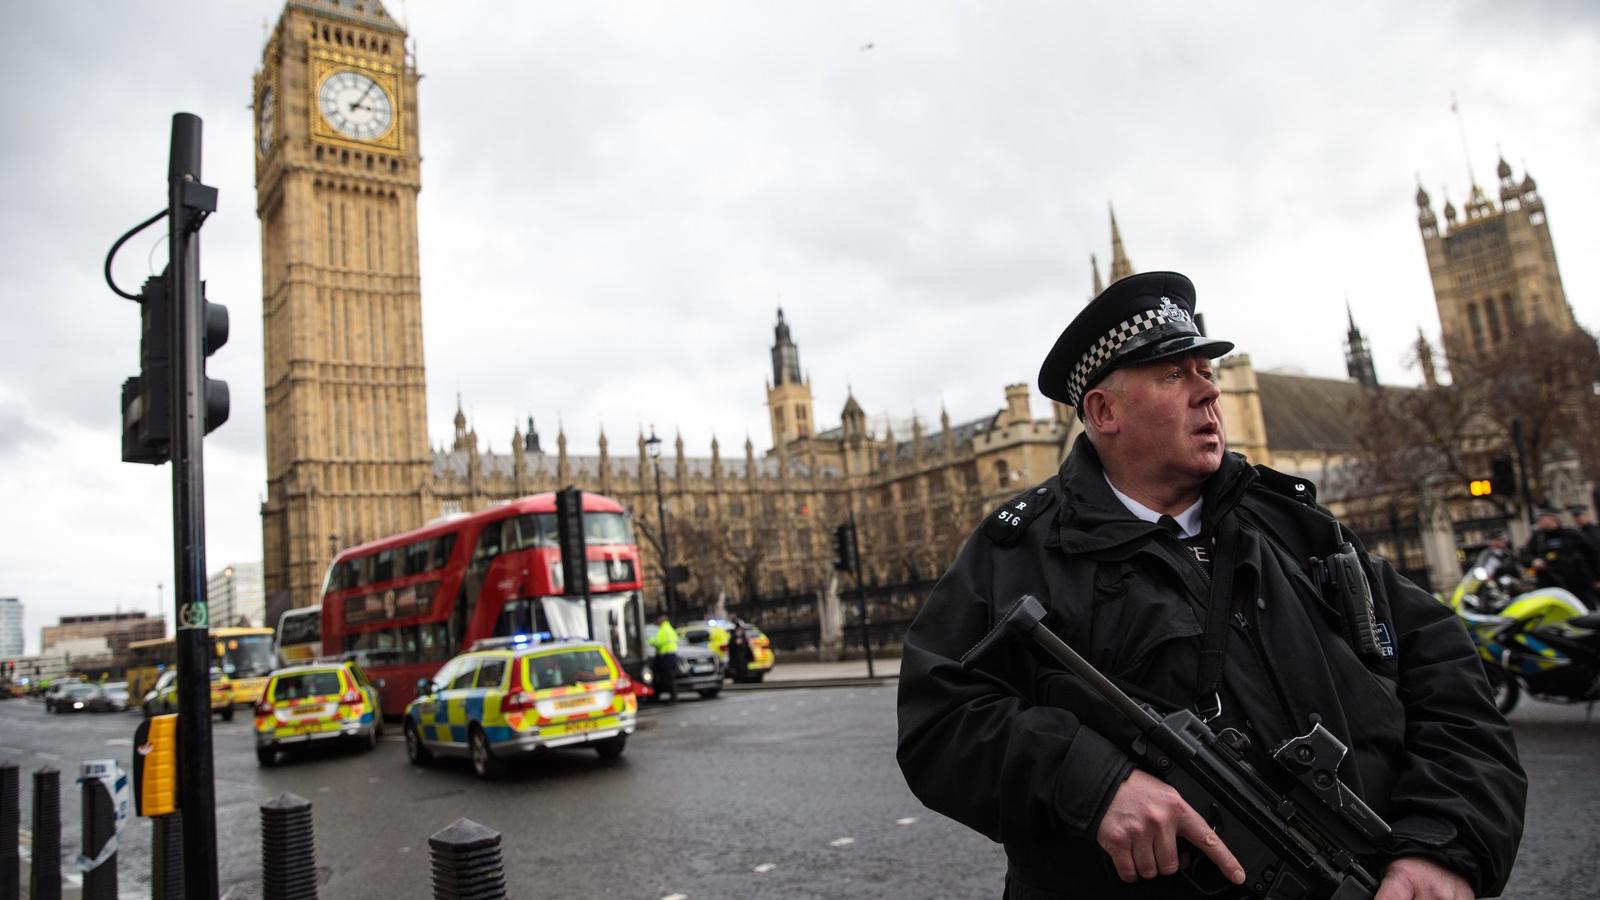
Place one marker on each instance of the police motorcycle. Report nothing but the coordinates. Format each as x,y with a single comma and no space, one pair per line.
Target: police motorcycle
1544,642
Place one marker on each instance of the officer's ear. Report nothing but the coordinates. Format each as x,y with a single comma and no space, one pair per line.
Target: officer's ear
1100,410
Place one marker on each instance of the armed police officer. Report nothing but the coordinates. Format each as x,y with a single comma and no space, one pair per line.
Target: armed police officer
1122,546
1561,556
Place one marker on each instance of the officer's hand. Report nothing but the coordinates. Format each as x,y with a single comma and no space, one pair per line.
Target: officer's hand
1141,827
1416,878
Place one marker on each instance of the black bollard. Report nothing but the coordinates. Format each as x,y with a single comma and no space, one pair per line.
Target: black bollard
166,856
466,863
10,825
44,877
99,832
288,850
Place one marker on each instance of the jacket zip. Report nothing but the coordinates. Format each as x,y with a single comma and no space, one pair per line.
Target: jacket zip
1272,675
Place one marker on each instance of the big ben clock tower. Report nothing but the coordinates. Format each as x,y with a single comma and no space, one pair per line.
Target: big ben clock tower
337,176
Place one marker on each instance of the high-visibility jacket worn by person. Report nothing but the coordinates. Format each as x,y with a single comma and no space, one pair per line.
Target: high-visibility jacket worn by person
665,639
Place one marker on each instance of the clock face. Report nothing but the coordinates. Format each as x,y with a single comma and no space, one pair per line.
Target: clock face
267,125
355,105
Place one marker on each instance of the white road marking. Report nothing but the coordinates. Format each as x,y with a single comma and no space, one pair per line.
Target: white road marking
764,868
908,820
42,755
841,842
676,897
119,742
405,849
323,789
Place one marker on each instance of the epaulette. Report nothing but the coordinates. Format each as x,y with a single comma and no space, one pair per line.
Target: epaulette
1295,487
1006,524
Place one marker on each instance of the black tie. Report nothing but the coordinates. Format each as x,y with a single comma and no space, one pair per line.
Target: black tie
1171,525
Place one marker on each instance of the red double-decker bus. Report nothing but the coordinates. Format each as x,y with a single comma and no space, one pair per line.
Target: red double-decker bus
405,604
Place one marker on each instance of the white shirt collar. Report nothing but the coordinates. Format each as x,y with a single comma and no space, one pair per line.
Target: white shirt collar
1188,520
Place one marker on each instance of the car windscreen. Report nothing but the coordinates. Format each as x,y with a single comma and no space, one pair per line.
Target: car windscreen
306,684
80,690
554,670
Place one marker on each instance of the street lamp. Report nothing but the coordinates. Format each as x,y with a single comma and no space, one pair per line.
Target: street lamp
653,445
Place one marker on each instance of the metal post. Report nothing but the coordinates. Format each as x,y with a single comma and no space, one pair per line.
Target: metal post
1522,470
10,826
195,776
288,849
466,863
44,876
99,831
861,596
166,857
666,554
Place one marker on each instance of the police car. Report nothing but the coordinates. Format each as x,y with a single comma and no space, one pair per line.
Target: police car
163,697
316,702
516,695
714,633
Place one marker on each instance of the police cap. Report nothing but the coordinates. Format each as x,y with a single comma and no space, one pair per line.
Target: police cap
1138,319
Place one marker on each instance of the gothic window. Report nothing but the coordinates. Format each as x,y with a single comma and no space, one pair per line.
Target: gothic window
1476,321
1002,472
736,508
701,511
1492,313
1513,314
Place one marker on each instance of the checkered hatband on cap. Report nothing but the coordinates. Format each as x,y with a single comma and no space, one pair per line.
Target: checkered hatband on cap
1105,347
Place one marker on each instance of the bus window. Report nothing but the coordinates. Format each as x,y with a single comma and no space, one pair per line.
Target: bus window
442,546
606,528
417,557
383,566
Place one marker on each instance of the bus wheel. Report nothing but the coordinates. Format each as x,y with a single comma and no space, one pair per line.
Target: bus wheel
612,747
484,762
415,751
266,756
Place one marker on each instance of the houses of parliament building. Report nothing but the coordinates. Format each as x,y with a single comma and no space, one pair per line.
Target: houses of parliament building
349,459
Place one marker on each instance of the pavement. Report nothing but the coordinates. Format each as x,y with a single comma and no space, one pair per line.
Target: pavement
844,673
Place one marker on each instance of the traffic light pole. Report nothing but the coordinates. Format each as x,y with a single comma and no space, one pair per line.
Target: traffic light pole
861,596
189,201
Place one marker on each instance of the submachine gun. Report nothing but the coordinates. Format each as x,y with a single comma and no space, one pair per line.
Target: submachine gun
1299,842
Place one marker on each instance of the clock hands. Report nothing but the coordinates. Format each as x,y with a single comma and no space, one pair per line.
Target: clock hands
356,104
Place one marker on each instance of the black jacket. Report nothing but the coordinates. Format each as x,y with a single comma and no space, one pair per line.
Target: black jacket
1568,561
1018,752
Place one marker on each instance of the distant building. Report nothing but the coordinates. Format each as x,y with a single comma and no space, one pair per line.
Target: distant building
236,597
117,629
1494,271
10,627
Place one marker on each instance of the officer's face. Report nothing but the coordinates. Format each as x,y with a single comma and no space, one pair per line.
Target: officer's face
1168,423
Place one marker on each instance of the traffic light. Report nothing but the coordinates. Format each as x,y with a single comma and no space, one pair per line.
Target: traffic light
1481,487
844,548
1502,477
147,398
569,535
215,335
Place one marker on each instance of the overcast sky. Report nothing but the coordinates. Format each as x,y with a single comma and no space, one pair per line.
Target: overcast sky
617,196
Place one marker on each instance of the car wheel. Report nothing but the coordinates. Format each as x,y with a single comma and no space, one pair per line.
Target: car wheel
710,693
370,742
416,751
484,762
227,713
612,747
266,756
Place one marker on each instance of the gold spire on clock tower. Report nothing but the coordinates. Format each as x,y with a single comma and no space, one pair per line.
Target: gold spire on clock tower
337,176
